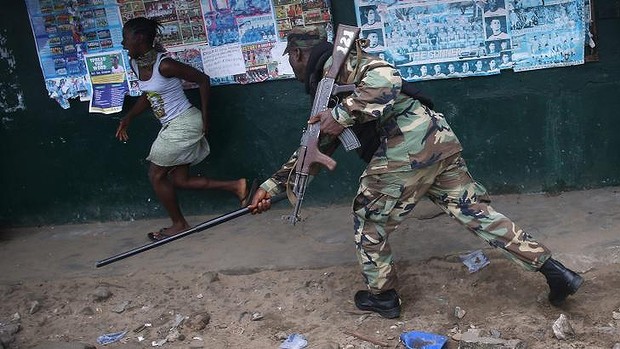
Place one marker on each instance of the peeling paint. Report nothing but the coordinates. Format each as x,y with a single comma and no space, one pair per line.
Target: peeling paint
11,94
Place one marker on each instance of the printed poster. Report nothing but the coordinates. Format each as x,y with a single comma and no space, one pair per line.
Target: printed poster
109,81
226,39
246,38
182,20
547,33
66,30
233,41
438,39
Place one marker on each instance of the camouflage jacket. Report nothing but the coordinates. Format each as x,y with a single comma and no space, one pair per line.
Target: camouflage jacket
412,136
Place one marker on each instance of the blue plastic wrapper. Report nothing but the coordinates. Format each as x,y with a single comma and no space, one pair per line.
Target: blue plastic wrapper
422,340
110,337
294,341
475,260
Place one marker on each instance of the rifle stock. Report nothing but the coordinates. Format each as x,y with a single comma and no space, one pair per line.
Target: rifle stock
308,152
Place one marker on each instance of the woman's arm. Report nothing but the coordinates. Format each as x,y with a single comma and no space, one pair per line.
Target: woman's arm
172,68
138,108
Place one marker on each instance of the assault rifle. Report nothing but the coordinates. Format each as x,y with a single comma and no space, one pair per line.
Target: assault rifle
308,152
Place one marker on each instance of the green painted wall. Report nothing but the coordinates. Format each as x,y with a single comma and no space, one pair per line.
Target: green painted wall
545,130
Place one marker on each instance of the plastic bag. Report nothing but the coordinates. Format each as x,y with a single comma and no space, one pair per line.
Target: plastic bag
422,340
110,337
475,260
294,341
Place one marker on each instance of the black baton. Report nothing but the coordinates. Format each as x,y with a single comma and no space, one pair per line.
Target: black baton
200,227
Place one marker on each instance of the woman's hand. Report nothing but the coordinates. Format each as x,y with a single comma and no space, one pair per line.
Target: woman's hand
121,131
205,125
138,108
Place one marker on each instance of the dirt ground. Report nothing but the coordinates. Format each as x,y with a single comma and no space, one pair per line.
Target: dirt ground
184,298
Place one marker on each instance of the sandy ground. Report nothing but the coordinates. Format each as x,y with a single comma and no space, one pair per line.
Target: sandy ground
253,281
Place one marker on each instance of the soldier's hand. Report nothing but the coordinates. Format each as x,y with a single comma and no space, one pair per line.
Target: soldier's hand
329,126
260,202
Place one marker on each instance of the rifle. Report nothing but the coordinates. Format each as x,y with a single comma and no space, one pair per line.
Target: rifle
308,152
200,227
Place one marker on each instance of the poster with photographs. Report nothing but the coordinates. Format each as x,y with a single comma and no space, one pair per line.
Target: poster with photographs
66,30
547,33
109,81
182,21
226,38
255,30
439,39
233,41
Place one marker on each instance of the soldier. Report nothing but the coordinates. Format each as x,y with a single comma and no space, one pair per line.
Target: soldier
412,153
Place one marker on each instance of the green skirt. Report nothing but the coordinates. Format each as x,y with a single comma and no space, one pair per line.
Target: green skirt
180,141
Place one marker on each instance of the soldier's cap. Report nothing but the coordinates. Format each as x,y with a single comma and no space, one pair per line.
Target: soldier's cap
304,37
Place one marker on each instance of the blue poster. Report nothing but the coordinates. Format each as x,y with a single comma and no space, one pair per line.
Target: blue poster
233,41
429,40
246,38
109,81
438,39
547,34
66,30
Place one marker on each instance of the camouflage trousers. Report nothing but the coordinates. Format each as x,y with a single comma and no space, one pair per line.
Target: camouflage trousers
383,201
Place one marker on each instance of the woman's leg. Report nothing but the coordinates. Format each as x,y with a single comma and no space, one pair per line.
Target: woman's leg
164,189
181,179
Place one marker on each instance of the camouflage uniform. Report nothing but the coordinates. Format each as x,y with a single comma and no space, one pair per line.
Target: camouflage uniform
418,155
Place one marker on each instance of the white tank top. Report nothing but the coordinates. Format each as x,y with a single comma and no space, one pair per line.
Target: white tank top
165,94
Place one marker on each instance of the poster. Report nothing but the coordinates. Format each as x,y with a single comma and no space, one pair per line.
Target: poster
66,30
439,39
233,41
182,21
109,81
239,40
547,34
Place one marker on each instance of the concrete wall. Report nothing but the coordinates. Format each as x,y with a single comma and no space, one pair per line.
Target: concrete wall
544,130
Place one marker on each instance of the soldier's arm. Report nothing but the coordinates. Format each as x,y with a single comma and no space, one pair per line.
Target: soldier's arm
376,91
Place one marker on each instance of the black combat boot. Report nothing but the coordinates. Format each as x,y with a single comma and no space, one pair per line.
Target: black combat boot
386,303
562,281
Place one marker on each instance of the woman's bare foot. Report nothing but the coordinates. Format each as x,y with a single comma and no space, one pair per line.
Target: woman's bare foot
242,189
167,232
176,228
248,192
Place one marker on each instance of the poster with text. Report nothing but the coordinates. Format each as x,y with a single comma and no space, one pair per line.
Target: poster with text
245,37
233,41
547,33
66,30
220,37
438,39
109,82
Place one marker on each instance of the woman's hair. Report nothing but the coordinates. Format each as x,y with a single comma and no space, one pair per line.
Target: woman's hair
150,28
